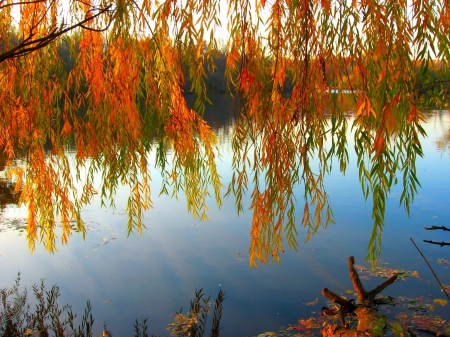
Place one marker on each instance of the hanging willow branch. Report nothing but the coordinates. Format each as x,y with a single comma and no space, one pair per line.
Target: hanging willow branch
126,66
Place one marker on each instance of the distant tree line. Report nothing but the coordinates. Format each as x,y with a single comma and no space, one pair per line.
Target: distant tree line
433,80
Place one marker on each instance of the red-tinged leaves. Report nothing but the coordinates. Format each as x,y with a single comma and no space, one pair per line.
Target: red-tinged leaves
326,4
67,129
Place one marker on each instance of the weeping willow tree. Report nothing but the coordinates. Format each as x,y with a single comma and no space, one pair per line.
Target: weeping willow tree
124,97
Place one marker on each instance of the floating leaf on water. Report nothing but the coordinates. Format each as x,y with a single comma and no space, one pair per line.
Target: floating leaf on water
401,316
312,302
443,261
309,323
349,291
385,272
360,267
440,301
397,329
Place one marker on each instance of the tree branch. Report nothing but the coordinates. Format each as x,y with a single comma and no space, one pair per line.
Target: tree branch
333,297
18,3
379,288
437,243
437,227
357,285
429,266
29,45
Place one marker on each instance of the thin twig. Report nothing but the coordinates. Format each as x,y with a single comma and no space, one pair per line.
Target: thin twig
435,276
437,243
28,45
437,227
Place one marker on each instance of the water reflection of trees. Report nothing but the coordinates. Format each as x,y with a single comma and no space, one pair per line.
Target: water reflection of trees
7,194
125,162
443,118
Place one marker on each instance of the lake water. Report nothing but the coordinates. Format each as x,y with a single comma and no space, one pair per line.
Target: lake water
155,274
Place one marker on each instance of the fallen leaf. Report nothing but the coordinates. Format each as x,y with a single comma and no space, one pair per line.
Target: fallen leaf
360,267
312,302
267,334
309,323
440,301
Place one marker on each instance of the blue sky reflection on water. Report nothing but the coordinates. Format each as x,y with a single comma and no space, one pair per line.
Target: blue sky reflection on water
155,274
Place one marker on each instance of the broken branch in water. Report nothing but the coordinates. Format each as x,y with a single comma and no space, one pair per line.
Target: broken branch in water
437,243
437,227
369,321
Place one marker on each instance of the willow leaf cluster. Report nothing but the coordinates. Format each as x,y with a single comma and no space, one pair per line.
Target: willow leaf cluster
121,104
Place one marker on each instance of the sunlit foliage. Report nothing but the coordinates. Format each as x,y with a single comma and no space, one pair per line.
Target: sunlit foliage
124,97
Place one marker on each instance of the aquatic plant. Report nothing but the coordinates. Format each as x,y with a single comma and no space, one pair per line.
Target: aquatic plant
48,318
193,324
18,319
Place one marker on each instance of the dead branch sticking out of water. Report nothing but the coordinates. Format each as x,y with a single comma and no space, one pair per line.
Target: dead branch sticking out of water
437,227
369,321
442,243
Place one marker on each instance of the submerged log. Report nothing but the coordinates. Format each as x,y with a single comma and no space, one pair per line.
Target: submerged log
370,322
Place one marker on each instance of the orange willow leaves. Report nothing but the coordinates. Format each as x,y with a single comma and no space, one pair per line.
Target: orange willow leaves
119,100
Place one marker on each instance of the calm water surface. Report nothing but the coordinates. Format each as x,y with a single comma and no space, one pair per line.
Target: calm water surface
154,275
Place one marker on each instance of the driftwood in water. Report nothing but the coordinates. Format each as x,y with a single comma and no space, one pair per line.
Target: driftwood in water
370,323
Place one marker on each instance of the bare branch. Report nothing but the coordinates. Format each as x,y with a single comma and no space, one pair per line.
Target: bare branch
333,297
19,3
437,243
437,227
29,45
357,285
379,288
429,266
